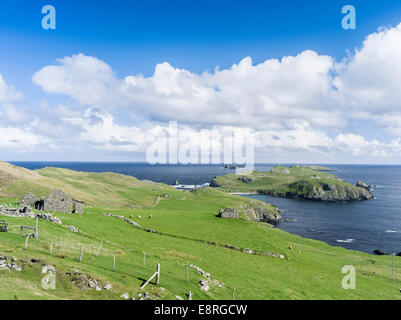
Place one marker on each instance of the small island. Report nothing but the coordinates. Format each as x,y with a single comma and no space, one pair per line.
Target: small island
296,182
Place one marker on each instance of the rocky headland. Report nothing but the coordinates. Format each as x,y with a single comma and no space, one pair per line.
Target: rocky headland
297,182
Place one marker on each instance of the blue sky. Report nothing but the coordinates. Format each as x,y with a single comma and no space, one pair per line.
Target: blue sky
133,37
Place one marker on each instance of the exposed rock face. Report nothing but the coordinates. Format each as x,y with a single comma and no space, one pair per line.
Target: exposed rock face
29,199
246,179
228,213
214,184
308,190
262,214
258,213
363,185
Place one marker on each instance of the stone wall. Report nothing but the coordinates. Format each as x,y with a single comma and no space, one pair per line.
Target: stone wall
78,207
29,199
58,201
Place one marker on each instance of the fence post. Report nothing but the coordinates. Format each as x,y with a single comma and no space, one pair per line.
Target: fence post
51,248
26,241
393,268
144,259
82,252
114,262
98,250
187,274
36,228
158,274
234,294
190,295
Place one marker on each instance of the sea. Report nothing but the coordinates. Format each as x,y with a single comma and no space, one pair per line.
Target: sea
363,225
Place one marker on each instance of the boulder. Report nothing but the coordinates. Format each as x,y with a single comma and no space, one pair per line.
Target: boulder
379,252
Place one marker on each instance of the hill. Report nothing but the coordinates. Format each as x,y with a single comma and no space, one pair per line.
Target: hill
296,182
176,229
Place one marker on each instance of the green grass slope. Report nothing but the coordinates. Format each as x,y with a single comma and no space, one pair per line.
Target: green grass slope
185,231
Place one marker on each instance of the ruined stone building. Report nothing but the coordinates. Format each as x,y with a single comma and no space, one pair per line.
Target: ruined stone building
56,201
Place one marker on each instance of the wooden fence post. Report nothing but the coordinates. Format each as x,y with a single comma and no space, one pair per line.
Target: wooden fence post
144,259
51,248
36,228
114,262
61,241
234,294
187,274
82,252
26,241
190,295
158,274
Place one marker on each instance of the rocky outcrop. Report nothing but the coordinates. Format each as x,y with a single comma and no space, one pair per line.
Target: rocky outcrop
259,213
228,213
263,214
246,179
363,185
215,184
319,191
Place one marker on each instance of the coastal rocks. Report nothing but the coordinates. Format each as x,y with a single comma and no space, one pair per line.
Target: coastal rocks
215,184
379,252
262,213
228,213
259,213
363,185
320,191
245,179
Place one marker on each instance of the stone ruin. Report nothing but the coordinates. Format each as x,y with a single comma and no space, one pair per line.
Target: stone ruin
56,201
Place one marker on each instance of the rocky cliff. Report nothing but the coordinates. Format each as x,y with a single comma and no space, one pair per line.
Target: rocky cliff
314,190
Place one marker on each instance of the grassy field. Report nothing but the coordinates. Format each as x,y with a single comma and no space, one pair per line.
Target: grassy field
188,232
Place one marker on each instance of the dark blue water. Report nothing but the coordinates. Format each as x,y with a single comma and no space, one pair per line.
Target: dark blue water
365,226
